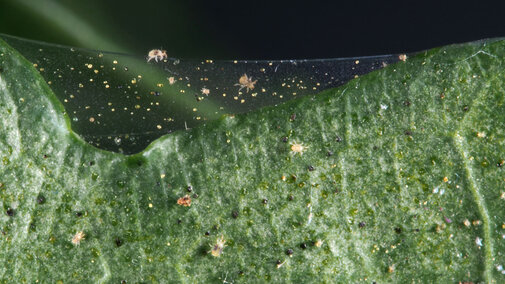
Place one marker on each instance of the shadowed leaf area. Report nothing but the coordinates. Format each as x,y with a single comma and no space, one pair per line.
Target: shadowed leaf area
394,177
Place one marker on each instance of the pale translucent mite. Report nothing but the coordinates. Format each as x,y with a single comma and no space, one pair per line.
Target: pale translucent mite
157,55
298,148
205,91
217,249
246,82
171,80
78,237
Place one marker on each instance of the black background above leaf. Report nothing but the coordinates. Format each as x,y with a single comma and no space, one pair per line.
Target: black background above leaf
255,29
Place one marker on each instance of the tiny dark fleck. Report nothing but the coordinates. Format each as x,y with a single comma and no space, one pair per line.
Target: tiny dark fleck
241,273
361,224
374,282
291,197
91,163
179,221
158,183
45,156
293,177
303,245
195,196
375,147
32,226
190,188
408,132
289,252
214,227
118,242
417,230
398,230
1,69
442,95
78,214
284,139
278,262
125,68
329,154
500,163
466,108
406,103
265,201
338,139
337,191
139,163
157,93
292,117
234,214
41,199
310,168
10,212
207,233
123,281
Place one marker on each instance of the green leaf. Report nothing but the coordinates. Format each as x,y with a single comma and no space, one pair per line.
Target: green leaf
400,180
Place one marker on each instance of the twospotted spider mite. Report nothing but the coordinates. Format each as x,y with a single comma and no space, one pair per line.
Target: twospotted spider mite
157,55
298,148
246,82
78,237
217,249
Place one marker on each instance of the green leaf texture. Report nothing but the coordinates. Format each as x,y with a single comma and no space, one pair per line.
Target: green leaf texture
400,179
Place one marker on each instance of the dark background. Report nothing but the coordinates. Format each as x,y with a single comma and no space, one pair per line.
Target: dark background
254,29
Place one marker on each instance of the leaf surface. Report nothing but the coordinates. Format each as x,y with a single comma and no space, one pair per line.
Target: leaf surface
399,179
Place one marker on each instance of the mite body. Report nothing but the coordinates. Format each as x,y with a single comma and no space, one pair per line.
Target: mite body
157,55
246,82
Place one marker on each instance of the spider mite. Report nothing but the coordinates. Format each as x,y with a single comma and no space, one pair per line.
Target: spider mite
78,237
157,55
217,249
246,82
184,201
298,148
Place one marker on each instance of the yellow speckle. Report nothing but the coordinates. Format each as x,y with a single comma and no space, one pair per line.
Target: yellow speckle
134,81
283,178
476,222
466,223
90,66
481,134
150,205
356,62
160,85
195,109
158,126
162,175
115,61
168,244
446,179
81,85
502,196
